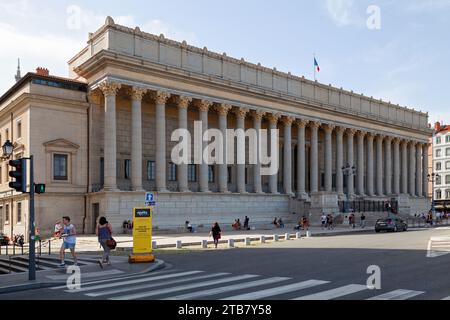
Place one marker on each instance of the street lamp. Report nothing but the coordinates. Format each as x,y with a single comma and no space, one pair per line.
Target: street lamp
433,177
348,173
7,149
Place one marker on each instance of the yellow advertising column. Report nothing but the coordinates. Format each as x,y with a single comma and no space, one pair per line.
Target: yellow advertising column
142,235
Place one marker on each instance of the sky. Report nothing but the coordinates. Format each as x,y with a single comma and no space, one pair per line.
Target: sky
395,50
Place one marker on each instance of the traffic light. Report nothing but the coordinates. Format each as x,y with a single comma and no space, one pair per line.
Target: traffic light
20,174
39,188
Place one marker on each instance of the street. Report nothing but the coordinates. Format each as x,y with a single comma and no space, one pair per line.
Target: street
319,268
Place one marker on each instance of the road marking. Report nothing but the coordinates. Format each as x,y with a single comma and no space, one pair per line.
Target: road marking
448,298
277,290
153,285
334,293
87,274
128,282
180,288
239,286
397,295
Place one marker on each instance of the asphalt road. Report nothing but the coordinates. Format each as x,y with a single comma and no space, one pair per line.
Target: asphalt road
316,268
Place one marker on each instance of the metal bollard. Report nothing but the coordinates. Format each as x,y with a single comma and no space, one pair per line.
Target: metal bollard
7,249
263,239
40,247
49,247
179,244
21,250
287,236
248,241
205,244
276,238
14,249
298,235
154,245
230,243
308,234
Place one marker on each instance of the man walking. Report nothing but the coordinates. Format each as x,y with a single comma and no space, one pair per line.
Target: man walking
363,221
69,241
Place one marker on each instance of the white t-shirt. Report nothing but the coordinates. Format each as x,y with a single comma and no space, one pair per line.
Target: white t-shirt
324,218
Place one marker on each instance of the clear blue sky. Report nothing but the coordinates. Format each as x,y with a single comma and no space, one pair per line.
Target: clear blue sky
406,61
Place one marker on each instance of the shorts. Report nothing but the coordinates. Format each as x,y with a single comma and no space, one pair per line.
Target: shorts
66,245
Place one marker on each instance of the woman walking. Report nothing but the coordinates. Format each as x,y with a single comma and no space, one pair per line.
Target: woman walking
104,233
216,233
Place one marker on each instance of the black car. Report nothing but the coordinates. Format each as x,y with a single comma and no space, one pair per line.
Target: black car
391,224
4,239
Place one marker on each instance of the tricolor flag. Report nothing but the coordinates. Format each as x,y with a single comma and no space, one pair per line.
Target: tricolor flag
316,65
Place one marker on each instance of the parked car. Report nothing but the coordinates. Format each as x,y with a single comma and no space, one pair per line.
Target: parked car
391,224
4,239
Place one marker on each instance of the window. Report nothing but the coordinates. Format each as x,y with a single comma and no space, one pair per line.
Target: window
438,140
438,194
7,213
127,164
172,171
151,169
192,173
438,180
447,165
19,212
447,152
447,138
447,194
19,129
438,166
230,174
438,153
211,177
447,179
60,167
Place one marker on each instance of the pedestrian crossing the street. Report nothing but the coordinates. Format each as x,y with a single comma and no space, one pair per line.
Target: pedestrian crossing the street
196,285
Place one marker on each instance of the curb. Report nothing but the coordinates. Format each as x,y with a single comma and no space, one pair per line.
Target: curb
157,265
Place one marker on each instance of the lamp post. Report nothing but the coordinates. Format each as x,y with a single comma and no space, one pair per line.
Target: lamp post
348,172
433,177
7,150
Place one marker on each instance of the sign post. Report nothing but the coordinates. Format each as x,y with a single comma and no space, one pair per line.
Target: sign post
142,235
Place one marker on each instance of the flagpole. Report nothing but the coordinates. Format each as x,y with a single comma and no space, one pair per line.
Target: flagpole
314,65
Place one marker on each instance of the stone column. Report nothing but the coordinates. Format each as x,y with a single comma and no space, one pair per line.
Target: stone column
388,166
203,107
350,160
425,170
161,100
241,113
370,165
405,167
301,159
109,90
360,168
182,172
380,165
314,127
328,157
339,160
412,168
287,159
257,118
397,172
273,118
136,138
419,175
223,110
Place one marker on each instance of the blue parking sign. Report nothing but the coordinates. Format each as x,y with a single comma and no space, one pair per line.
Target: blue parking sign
150,199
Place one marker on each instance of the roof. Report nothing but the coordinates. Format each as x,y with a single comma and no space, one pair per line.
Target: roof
34,76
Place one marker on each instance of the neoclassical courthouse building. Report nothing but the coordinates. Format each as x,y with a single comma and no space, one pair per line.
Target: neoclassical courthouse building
102,137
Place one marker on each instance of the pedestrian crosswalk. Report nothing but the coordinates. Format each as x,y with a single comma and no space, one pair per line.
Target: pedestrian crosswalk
197,285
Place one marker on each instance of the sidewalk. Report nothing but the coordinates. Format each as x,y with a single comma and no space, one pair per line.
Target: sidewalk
92,272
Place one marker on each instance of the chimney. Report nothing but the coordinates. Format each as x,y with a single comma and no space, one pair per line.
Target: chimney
42,71
437,126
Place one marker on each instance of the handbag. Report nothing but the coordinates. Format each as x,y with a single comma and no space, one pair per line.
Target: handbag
111,243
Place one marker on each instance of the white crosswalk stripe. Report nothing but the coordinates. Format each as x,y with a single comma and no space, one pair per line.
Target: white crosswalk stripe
235,287
277,290
181,288
334,293
154,285
400,294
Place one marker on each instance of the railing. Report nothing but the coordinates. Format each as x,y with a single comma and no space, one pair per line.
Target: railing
368,206
422,223
17,250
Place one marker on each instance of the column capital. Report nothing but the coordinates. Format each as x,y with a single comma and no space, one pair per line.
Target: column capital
183,102
361,134
340,130
315,124
109,88
287,120
274,117
329,128
412,143
404,142
351,132
426,146
203,105
223,108
389,139
137,93
396,140
241,113
302,123
161,97
258,114
380,137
